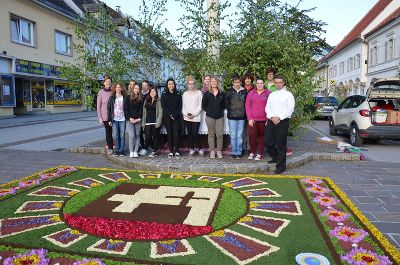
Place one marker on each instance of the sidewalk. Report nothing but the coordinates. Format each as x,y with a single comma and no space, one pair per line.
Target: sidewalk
303,144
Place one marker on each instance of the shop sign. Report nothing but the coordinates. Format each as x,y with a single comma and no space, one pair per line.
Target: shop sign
29,67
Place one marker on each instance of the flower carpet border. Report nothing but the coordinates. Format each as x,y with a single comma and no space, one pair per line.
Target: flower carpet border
9,189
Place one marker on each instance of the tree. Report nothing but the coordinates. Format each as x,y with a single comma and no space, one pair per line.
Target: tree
265,33
101,50
108,43
195,36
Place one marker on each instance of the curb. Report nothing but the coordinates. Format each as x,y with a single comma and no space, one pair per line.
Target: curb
241,168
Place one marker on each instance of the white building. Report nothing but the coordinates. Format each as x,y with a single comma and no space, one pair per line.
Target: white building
348,63
384,48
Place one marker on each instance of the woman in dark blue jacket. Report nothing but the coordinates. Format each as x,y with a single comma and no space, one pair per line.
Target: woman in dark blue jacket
171,102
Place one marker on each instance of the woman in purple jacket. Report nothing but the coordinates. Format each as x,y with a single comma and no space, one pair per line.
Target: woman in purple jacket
255,111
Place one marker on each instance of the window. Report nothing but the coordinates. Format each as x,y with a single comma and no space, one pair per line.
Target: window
374,55
345,104
389,49
63,43
335,70
357,61
21,31
357,101
350,65
341,68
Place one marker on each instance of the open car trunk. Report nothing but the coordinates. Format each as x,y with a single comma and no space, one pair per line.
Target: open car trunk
383,98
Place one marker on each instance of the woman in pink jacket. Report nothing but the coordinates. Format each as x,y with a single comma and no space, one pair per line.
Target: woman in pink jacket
102,101
257,118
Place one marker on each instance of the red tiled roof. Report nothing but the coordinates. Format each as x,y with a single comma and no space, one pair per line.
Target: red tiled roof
389,19
355,33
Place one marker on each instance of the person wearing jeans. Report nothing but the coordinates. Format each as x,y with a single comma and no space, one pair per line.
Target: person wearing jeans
191,110
116,116
102,101
255,111
133,113
235,105
171,102
213,104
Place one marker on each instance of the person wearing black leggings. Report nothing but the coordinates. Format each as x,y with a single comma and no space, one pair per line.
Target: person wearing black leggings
191,110
171,102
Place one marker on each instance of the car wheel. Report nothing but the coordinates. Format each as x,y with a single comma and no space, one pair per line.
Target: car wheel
355,138
332,130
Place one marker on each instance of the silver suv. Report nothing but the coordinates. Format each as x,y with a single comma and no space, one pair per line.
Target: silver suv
361,117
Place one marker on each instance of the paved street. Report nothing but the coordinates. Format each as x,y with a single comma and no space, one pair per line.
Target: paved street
382,151
26,144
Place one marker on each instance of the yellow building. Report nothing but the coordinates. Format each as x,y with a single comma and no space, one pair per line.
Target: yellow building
35,36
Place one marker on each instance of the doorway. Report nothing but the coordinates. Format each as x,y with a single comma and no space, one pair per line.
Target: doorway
38,95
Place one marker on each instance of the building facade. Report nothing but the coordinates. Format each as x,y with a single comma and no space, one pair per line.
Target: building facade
353,63
37,35
384,48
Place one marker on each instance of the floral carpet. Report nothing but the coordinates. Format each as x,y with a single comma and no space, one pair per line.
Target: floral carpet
67,215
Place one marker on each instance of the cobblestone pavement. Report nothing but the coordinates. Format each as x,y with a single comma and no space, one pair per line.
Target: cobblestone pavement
374,187
304,140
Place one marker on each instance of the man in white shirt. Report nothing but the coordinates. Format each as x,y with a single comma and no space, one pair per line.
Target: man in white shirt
279,109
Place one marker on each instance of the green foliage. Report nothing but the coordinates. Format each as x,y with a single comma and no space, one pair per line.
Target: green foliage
263,34
196,36
101,50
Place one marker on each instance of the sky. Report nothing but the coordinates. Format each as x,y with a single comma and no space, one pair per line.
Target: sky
340,15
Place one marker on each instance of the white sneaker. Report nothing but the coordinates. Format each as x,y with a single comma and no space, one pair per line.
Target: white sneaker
201,153
171,155
258,157
135,154
191,152
110,151
251,156
131,155
153,154
177,154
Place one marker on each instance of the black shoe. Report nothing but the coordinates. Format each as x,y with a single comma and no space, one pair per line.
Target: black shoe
272,161
279,171
233,156
238,156
116,153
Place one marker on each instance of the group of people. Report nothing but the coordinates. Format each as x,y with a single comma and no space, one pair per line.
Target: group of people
140,110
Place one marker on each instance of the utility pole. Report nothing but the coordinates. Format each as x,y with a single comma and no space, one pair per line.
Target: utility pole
213,44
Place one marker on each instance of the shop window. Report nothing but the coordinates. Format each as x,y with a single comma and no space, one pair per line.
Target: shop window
22,31
49,92
62,93
7,95
63,43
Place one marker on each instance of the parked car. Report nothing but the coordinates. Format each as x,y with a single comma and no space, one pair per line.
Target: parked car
323,106
358,115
